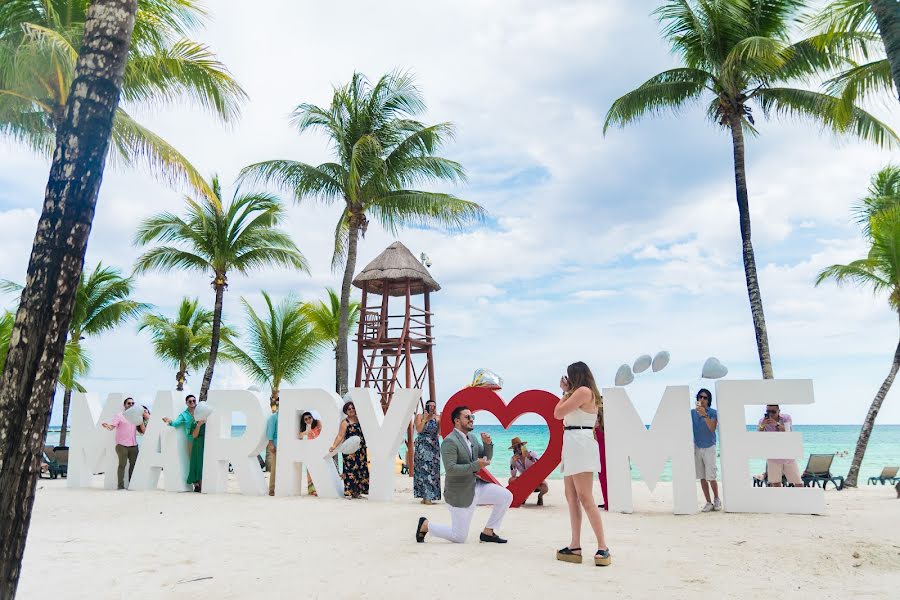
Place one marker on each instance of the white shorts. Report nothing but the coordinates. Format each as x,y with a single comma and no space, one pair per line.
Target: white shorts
705,463
790,470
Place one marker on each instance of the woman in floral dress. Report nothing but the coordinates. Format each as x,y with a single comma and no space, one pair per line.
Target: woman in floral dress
427,457
356,466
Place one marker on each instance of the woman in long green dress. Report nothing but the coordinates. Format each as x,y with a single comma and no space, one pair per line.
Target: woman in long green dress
195,470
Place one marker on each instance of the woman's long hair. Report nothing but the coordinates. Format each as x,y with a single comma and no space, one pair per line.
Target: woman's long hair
315,422
579,375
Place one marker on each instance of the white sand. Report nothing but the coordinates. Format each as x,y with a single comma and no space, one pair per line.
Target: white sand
107,544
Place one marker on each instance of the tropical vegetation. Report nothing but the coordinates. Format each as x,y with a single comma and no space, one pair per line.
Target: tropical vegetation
219,237
39,45
326,317
858,22
381,153
735,55
280,345
182,342
879,270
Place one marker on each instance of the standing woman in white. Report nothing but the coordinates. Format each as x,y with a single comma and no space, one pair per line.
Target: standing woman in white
578,409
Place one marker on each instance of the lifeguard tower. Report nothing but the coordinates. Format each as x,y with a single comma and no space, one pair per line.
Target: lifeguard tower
394,338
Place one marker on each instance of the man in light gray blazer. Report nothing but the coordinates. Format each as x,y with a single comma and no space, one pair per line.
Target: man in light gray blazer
464,455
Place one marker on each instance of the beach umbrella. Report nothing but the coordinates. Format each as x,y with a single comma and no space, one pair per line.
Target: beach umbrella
660,361
624,376
713,369
134,415
642,363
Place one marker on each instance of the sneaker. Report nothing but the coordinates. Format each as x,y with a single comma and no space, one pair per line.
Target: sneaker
707,507
717,504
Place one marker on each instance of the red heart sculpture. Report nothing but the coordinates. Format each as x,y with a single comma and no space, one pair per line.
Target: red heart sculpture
531,401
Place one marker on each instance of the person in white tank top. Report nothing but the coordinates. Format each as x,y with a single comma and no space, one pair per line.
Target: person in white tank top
580,459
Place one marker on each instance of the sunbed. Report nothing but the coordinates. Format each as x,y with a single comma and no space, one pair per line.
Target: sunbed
888,475
818,472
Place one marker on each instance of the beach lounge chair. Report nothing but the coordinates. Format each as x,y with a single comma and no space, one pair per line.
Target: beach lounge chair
764,482
818,472
888,475
60,457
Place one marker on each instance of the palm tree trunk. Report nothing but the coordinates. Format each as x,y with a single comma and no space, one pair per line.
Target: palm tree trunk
343,323
214,346
887,14
39,335
179,377
337,372
756,306
67,402
869,423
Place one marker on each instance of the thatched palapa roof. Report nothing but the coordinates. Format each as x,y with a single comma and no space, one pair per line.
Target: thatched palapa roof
395,265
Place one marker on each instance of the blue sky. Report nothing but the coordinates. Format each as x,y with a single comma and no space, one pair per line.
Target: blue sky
598,248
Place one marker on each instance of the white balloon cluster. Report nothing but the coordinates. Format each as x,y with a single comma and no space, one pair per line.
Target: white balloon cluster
625,373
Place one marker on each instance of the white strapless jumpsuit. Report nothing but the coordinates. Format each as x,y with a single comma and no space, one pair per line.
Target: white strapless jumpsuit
580,453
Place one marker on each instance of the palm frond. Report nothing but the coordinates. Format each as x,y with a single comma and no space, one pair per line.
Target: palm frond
828,111
667,91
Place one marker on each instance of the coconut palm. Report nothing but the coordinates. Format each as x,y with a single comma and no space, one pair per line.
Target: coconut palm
880,271
184,341
326,318
863,21
37,343
735,53
280,346
218,238
75,361
39,44
102,303
380,154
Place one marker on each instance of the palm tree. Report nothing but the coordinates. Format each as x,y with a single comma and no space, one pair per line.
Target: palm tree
184,341
381,152
75,363
736,52
38,339
280,345
219,238
863,21
102,303
880,271
326,318
39,44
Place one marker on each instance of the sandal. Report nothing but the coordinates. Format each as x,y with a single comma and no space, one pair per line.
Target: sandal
420,535
568,555
602,558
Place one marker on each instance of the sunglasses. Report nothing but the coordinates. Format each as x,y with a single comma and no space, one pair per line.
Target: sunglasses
191,401
771,412
469,417
129,404
705,398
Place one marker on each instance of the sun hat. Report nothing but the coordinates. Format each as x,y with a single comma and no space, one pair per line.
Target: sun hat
516,442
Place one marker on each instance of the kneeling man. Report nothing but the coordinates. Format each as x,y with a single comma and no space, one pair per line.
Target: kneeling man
463,456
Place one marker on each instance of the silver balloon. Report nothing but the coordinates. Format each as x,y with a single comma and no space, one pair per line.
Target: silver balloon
202,412
624,376
642,363
660,361
487,379
713,369
134,415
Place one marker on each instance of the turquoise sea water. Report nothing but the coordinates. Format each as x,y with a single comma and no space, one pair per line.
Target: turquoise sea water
883,449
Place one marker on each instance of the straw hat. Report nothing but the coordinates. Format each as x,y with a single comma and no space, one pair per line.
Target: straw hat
516,442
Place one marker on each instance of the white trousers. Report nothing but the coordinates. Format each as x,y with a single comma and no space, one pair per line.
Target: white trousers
461,517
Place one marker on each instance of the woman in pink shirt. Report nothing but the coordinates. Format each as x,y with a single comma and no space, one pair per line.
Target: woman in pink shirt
126,440
775,420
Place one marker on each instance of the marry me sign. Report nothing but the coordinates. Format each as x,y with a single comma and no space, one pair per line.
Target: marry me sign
628,441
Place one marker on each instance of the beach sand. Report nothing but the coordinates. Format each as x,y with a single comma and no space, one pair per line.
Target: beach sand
97,544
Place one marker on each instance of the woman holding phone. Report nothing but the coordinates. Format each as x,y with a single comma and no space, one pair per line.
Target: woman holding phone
578,408
427,455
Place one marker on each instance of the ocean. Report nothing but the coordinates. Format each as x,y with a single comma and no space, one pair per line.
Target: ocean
883,449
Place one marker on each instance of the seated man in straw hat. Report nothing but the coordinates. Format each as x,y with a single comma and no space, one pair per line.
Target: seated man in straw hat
522,460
